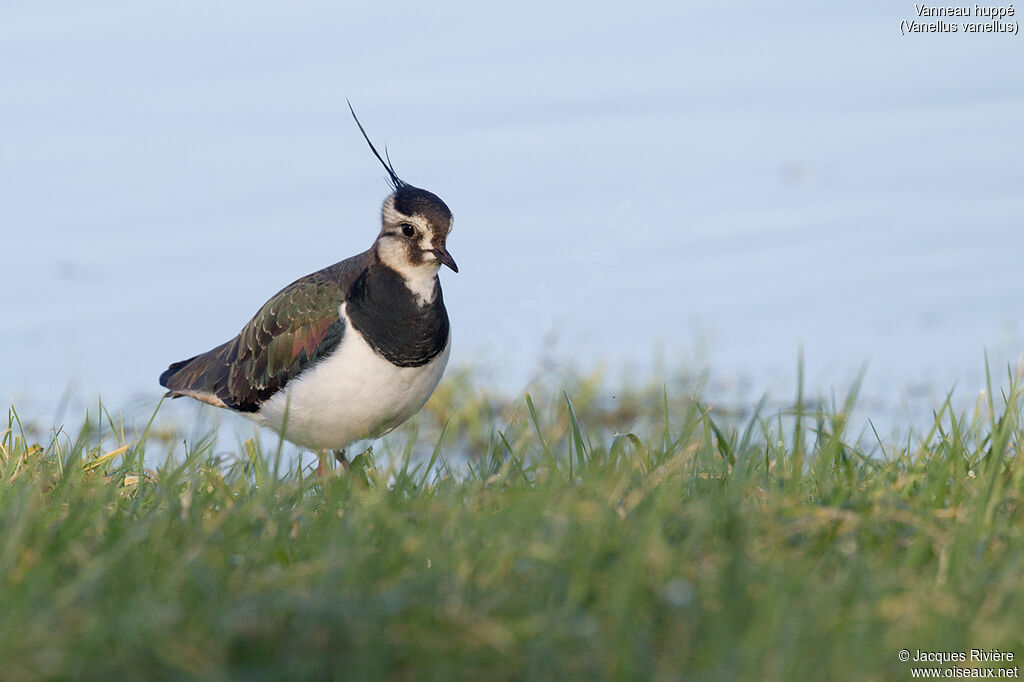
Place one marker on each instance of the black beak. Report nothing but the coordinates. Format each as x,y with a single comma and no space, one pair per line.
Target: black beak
446,258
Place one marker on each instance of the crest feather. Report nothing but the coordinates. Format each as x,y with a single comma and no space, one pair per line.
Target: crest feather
395,181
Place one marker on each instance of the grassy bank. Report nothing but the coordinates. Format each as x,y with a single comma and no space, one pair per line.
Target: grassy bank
645,536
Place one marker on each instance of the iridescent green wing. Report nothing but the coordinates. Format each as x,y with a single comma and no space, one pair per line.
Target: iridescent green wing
300,325
289,334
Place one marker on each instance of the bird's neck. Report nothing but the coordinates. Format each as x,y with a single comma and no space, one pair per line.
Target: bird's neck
385,311
420,279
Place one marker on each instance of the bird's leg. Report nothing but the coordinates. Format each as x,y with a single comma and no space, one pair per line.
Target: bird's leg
321,464
340,456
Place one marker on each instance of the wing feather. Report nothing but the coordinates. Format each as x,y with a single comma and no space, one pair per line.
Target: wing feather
293,330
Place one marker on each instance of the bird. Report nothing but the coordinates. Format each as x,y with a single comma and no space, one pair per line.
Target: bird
349,352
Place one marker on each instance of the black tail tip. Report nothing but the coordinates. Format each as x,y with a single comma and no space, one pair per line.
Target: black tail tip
169,373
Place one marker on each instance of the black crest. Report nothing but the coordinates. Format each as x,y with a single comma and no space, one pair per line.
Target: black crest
395,181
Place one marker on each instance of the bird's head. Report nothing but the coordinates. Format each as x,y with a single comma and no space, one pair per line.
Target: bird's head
415,223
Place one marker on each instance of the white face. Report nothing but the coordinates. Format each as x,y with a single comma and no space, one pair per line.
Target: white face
414,246
413,230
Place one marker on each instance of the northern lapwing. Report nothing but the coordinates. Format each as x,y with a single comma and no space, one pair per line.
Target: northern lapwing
349,352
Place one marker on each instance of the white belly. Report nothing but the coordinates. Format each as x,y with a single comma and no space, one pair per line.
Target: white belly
350,395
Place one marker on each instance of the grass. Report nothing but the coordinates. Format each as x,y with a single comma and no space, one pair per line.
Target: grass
563,535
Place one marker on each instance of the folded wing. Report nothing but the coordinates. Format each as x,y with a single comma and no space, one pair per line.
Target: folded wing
296,328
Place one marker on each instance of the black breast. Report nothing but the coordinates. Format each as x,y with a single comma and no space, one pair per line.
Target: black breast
388,316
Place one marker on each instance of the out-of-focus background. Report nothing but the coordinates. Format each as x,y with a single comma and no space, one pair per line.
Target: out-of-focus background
644,185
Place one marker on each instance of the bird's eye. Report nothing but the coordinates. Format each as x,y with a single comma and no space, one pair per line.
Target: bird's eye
408,230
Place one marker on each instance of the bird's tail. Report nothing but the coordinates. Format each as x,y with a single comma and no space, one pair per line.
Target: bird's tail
201,377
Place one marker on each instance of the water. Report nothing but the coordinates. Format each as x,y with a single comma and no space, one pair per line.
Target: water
721,184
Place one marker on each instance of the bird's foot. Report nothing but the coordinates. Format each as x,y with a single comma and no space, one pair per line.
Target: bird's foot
324,465
340,456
